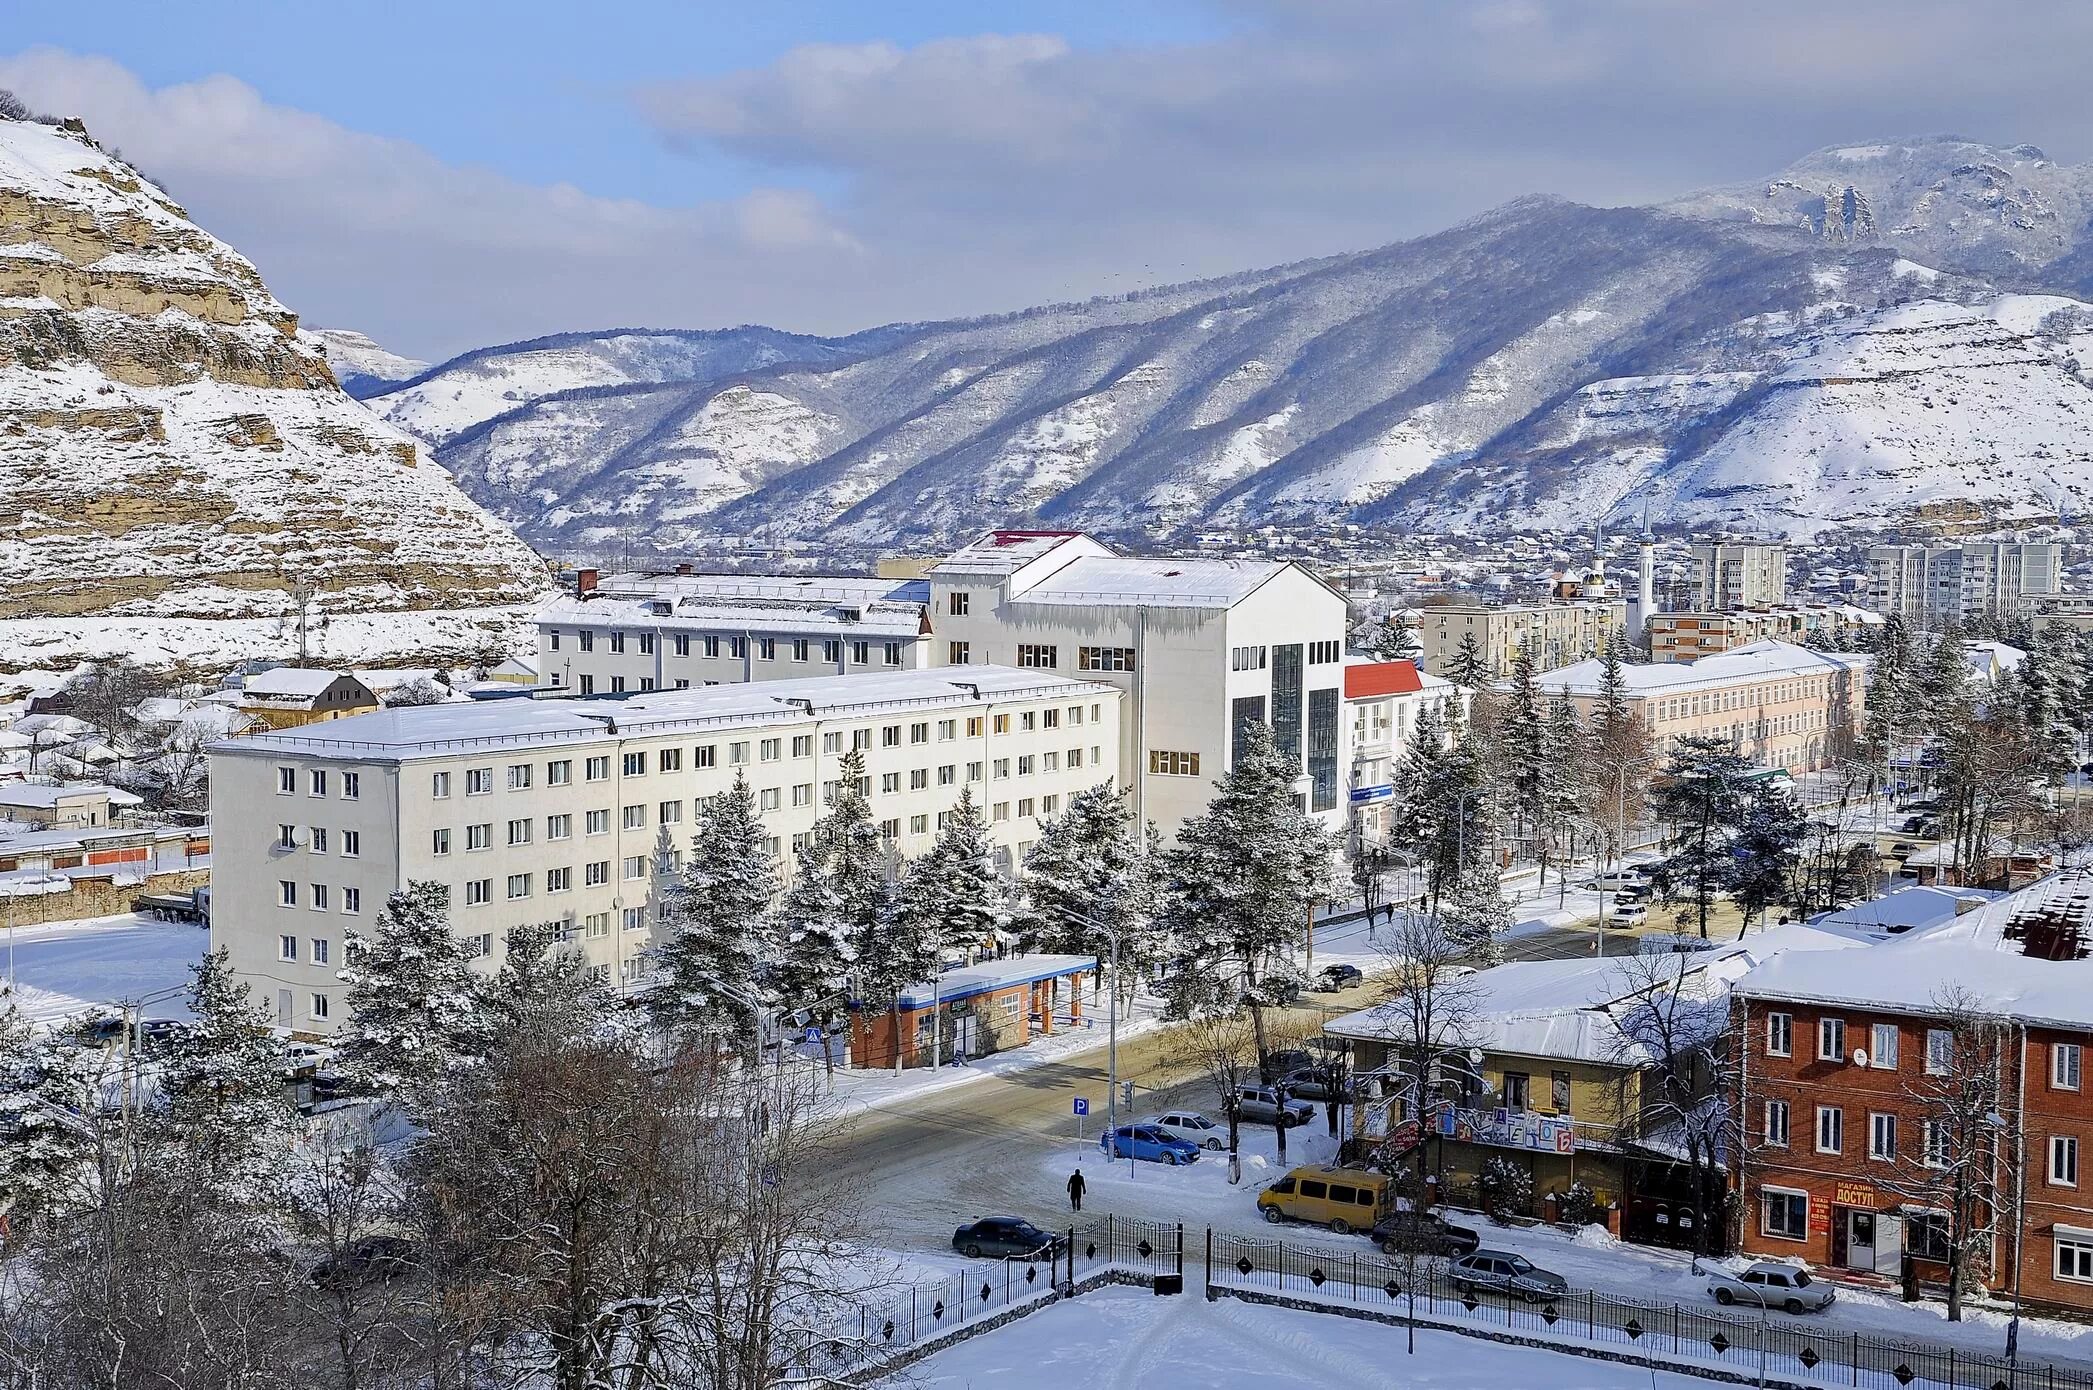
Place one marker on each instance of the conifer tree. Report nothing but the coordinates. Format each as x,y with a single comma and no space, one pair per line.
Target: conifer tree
414,1005
42,1093
1704,796
226,1104
1467,667
1241,880
542,990
1088,863
952,895
712,916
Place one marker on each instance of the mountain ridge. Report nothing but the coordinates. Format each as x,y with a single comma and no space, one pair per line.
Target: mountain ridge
1539,360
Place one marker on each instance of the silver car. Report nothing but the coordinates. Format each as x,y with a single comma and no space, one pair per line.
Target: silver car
1190,1126
1771,1284
1500,1271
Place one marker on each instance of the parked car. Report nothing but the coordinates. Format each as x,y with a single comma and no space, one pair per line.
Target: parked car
157,1033
1344,1199
1190,1126
1424,1232
1614,879
1147,1143
1325,1082
1628,915
1902,849
1499,1271
1771,1284
1005,1237
1332,978
1287,1059
365,1261
1631,895
98,1030
1260,1105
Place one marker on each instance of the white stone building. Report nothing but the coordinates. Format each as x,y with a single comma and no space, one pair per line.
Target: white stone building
532,810
1383,702
1930,584
1202,648
640,632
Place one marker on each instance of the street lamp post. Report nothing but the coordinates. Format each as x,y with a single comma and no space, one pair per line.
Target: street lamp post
1112,1034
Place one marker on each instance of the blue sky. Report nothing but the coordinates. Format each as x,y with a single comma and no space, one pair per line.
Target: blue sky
446,175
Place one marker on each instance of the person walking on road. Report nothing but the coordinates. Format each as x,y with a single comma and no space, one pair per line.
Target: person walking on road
1075,1190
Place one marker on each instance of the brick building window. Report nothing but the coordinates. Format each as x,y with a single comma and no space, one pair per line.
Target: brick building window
1784,1213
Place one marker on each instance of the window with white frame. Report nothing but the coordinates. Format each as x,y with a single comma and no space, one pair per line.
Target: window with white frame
1831,1039
596,822
520,832
318,782
520,776
519,885
2075,1258
479,781
319,897
286,893
479,836
1940,1051
352,900
440,842
635,817
635,867
287,948
1831,1129
2063,1160
1882,1054
1882,1136
1934,1149
320,1006
1784,1213
2064,1060
352,843
352,786
1776,1126
559,880
479,891
286,781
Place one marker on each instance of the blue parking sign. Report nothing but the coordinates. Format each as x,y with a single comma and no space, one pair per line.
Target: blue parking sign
1082,1106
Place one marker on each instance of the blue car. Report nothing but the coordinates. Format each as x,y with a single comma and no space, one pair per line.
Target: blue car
1147,1143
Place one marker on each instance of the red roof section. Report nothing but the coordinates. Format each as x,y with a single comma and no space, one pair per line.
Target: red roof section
1365,681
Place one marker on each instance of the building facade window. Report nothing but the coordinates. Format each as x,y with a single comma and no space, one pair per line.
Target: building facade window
1831,1129
1780,1035
1784,1214
1882,1056
1831,1039
2063,1160
1776,1129
1038,656
1104,658
2064,1061
1246,659
1164,764
1882,1137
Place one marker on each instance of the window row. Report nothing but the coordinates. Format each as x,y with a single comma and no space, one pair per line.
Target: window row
318,839
1882,1048
319,897
318,781
737,647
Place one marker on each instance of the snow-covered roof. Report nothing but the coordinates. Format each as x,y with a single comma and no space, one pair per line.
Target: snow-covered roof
1755,661
36,797
1565,1009
424,731
817,589
291,682
816,617
1166,583
1983,952
1002,552
1905,909
985,977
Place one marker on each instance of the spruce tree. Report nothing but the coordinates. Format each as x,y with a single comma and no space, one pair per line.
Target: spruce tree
1088,864
543,991
1240,882
814,957
1704,795
1398,638
1474,912
711,918
1467,667
43,1091
414,1005
1765,851
1524,746
952,895
227,1107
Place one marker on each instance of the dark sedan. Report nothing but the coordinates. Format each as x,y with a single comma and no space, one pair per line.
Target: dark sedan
1005,1236
1424,1234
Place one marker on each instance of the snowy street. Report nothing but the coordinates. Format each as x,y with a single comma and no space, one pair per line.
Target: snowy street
62,968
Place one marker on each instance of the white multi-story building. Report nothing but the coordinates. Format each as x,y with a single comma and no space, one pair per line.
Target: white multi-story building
1732,574
534,810
639,632
1202,648
1383,702
1928,585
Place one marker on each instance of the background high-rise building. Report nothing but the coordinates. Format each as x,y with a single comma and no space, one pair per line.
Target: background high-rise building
1930,584
1728,575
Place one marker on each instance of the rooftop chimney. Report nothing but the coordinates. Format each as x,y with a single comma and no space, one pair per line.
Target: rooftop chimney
584,583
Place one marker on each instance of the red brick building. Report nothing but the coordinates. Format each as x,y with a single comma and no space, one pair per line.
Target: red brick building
972,1011
1849,1136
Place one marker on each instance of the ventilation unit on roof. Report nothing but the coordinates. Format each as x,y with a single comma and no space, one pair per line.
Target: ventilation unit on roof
851,613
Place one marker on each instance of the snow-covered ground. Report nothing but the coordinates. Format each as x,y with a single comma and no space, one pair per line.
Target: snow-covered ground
1590,1259
1128,1337
61,968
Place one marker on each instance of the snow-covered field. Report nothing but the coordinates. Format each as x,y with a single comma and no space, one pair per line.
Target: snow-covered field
1127,1337
61,968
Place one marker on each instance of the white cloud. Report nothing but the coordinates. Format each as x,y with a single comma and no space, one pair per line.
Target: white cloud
987,172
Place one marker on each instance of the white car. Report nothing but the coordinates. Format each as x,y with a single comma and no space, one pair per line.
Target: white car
1190,1126
1771,1284
1614,879
1628,915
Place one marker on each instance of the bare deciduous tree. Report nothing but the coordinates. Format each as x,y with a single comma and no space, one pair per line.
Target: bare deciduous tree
1673,1071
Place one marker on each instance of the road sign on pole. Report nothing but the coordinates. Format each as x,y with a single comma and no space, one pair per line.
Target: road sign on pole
1082,1108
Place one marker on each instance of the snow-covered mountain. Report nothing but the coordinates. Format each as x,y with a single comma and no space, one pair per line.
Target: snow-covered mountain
1880,333
171,451
359,364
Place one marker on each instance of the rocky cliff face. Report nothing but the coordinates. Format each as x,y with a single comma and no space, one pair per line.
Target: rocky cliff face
171,449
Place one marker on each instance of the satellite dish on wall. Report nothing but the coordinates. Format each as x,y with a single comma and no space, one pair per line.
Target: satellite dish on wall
1860,1057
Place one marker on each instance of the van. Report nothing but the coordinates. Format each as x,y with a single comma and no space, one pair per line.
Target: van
1343,1199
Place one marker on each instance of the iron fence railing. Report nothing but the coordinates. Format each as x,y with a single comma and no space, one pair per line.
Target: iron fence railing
1773,1346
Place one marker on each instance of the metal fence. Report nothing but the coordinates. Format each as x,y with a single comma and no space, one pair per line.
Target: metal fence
870,1332
1764,1346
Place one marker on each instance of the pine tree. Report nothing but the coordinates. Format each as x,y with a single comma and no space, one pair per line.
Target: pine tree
1467,667
1892,698
42,1093
226,1103
952,894
814,958
1766,851
1398,638
711,921
543,991
1240,883
1088,863
1474,912
1524,751
414,1005
1704,796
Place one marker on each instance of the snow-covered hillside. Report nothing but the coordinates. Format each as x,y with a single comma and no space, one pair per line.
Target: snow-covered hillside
171,449
440,404
361,366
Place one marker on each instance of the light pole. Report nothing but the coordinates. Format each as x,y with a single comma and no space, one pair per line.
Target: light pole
1112,1035
2020,1222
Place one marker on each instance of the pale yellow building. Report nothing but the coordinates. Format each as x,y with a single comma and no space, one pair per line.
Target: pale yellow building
1560,631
